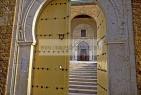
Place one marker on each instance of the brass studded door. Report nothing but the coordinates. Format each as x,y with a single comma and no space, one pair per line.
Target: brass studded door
51,59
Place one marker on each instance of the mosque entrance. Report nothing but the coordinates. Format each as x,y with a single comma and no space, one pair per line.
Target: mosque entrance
83,56
53,73
46,32
62,31
83,52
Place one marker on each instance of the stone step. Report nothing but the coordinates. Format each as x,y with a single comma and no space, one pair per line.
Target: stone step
77,74
83,71
83,86
82,83
73,72
84,91
79,62
74,66
82,63
82,80
84,77
84,66
80,94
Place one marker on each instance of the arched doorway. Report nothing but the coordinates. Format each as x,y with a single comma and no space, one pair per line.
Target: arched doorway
97,33
83,51
83,29
119,41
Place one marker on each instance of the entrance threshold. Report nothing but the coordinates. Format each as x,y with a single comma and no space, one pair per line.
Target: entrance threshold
83,62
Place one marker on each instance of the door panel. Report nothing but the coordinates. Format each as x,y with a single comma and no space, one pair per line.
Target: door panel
51,60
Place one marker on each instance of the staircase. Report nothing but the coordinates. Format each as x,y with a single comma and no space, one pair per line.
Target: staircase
83,79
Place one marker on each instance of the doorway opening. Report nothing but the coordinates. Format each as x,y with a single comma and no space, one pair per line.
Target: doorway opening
83,37
83,52
87,32
43,70
85,25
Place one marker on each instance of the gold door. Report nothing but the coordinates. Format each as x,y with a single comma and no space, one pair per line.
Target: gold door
51,59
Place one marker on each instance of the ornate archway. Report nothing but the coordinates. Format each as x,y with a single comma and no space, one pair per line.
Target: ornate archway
83,29
119,40
83,51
